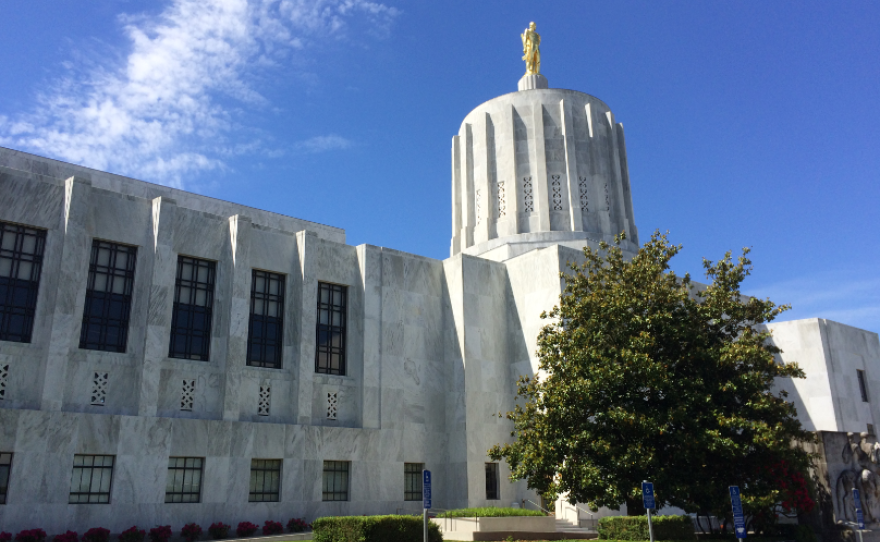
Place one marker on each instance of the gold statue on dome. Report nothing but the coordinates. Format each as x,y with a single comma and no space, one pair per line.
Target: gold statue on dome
531,50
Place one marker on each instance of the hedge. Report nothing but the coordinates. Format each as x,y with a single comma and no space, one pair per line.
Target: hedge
373,529
636,528
489,512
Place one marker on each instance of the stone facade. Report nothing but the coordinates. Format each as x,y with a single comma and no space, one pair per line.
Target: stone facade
432,348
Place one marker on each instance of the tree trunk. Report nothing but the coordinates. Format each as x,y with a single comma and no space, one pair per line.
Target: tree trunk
634,507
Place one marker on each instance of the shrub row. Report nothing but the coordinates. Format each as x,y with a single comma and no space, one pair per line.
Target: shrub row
489,512
373,529
190,532
636,528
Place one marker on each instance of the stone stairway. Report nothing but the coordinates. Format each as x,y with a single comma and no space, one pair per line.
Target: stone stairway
569,528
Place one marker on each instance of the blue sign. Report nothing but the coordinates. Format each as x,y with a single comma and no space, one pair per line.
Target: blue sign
739,519
860,517
426,489
648,495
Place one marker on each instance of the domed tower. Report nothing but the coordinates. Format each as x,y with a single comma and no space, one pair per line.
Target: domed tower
536,168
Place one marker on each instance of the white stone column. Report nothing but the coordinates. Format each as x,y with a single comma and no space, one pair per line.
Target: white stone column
539,183
467,183
161,305
627,190
70,297
305,241
456,197
482,181
239,314
576,221
505,165
370,261
616,182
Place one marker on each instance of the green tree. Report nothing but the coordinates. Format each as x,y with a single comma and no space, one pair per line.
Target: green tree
646,375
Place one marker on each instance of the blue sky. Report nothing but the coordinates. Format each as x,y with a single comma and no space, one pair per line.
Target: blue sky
748,123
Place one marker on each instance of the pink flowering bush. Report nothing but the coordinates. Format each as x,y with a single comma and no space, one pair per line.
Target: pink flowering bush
5,537
246,528
297,525
272,527
31,535
219,530
132,534
69,536
191,532
96,534
161,533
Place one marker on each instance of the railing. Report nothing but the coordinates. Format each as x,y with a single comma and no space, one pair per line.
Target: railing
548,512
592,523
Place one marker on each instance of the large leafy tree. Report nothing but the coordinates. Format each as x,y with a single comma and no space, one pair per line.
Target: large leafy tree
646,375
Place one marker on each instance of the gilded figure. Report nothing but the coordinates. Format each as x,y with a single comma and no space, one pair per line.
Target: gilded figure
531,41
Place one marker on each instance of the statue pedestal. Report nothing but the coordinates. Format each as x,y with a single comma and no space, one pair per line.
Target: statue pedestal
532,82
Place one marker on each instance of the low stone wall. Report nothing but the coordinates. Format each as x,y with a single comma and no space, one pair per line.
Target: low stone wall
509,523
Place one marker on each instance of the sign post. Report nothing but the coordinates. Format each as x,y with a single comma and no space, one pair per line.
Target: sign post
648,501
739,520
426,500
860,516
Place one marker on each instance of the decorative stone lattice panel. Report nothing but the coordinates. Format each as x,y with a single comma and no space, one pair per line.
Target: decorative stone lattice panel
528,198
99,389
582,188
332,405
607,199
479,217
556,186
188,394
502,204
4,377
264,400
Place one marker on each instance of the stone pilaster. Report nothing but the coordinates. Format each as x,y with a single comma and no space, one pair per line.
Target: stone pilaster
576,222
161,306
70,297
542,196
239,314
370,262
305,242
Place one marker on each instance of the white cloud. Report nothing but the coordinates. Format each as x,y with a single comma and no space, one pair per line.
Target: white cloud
323,143
155,114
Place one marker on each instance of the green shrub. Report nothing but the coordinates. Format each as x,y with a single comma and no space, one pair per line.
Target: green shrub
489,512
373,529
636,528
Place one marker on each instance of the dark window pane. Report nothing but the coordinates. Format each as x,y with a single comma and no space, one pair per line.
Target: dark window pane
21,261
90,480
184,480
330,332
108,297
412,481
266,320
193,304
265,480
492,481
335,481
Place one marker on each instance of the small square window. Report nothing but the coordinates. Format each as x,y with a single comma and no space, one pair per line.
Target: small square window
90,481
184,482
265,480
412,481
335,487
492,482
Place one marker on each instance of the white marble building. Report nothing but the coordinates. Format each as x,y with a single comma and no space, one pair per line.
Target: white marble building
167,357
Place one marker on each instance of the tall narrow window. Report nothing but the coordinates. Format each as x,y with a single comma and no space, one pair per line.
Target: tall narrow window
492,481
90,481
267,320
108,297
265,480
335,487
184,482
193,301
412,481
21,260
330,351
863,385
5,468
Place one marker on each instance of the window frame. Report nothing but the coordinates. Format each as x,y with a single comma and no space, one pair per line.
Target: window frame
255,495
14,286
171,480
100,497
863,385
333,468
492,482
412,472
102,322
325,347
5,465
190,310
263,343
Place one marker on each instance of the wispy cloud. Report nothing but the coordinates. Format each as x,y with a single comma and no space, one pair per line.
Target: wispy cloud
156,112
323,143
850,297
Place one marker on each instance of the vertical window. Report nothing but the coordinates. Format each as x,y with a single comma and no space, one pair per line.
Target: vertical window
108,297
871,429
193,300
90,482
492,481
412,481
335,481
265,480
863,386
21,259
5,467
184,482
330,351
267,320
